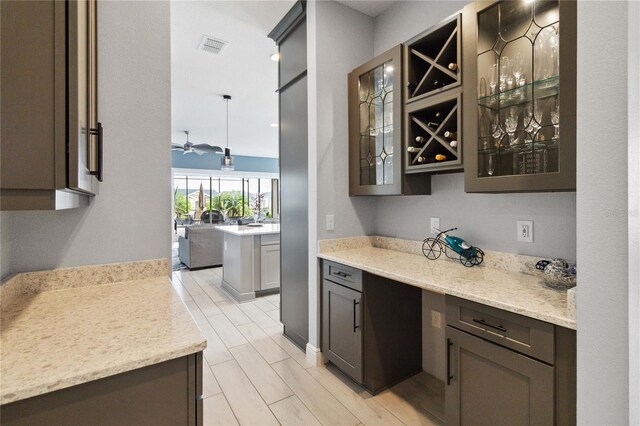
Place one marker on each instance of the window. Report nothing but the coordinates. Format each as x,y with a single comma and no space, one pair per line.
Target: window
235,197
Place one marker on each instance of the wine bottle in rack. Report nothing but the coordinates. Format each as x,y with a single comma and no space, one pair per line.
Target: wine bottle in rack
419,139
420,159
433,124
411,85
413,149
451,135
453,66
453,143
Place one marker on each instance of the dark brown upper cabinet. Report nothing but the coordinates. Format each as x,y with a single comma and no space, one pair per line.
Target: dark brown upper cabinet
51,138
375,130
433,97
520,96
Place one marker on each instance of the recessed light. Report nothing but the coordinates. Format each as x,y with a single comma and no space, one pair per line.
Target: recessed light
275,57
389,68
274,124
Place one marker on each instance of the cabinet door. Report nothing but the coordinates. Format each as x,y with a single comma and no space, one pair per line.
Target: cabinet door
78,103
269,266
491,385
342,328
375,129
32,83
520,96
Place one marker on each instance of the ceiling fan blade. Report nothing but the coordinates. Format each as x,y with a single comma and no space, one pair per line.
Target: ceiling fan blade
206,148
176,146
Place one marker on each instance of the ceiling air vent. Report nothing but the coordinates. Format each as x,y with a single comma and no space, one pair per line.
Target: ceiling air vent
212,45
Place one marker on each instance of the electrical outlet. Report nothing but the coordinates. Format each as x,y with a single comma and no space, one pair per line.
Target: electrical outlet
525,231
331,223
435,224
436,319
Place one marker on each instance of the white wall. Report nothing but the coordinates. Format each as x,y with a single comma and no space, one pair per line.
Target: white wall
434,345
406,19
634,210
130,219
338,40
602,214
486,220
344,40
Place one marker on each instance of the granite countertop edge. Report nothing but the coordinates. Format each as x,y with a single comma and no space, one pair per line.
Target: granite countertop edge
246,231
196,342
52,386
444,288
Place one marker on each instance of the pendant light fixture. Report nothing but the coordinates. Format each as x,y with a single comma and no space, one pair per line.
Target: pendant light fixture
227,160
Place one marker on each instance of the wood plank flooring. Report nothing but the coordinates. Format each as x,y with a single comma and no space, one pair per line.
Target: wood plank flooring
253,375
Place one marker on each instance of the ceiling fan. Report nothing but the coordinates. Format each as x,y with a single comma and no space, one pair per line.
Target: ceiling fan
199,148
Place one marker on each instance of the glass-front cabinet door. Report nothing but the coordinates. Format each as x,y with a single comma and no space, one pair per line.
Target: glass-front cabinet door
375,105
521,118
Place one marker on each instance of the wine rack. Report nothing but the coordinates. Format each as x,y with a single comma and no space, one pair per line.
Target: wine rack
432,60
433,99
433,140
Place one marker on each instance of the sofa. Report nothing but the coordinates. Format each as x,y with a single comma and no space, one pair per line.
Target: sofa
201,247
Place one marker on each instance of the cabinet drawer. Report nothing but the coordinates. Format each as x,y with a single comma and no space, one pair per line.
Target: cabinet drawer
523,334
342,274
269,239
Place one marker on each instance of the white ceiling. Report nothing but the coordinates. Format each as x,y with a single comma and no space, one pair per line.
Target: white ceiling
242,69
371,8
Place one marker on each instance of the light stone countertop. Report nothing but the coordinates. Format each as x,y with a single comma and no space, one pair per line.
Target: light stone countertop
511,291
244,230
60,338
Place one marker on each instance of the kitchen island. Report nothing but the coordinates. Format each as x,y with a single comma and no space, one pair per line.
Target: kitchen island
101,344
251,260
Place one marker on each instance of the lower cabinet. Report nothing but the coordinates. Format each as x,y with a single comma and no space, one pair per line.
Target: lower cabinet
507,369
342,328
168,393
358,336
492,385
269,266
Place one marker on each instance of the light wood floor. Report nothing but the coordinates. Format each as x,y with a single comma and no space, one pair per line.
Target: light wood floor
253,375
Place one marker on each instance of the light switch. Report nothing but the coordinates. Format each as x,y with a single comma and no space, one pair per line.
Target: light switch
331,224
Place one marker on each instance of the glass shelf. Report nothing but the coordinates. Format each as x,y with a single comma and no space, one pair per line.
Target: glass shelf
521,159
539,89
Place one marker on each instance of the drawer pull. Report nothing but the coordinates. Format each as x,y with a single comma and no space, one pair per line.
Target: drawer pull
497,327
342,274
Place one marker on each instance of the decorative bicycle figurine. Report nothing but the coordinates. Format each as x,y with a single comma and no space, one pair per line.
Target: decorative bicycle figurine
453,247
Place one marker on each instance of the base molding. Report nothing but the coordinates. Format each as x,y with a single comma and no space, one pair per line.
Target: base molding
314,355
240,297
